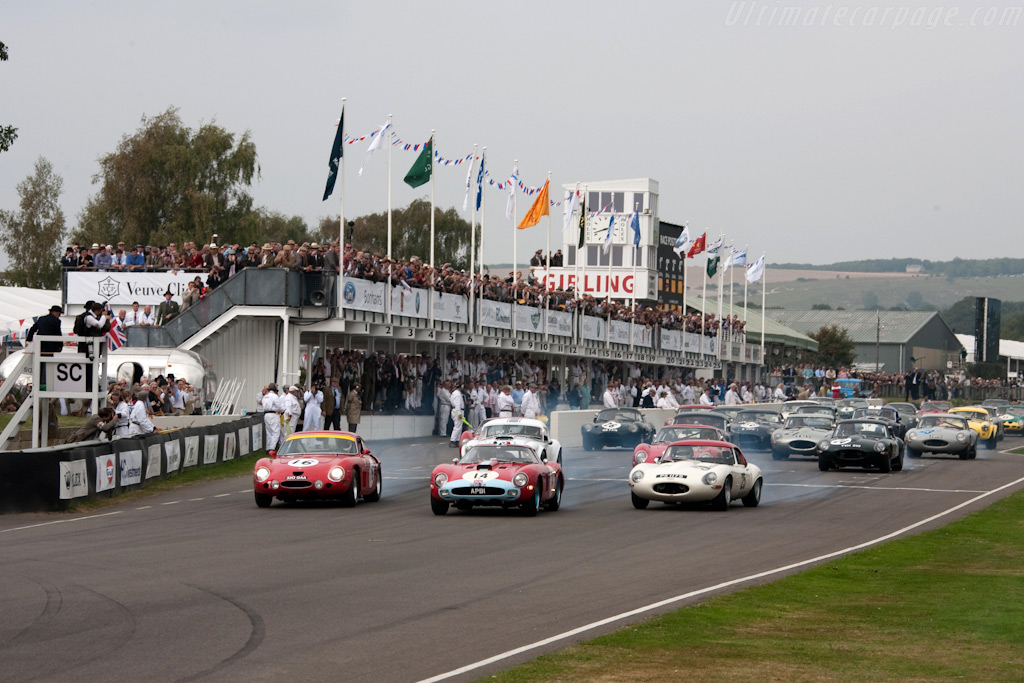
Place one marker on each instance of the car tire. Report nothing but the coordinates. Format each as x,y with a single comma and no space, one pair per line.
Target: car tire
638,502
559,459
824,464
990,444
965,454
913,452
885,463
898,466
263,500
556,502
352,495
779,456
753,499
974,452
531,506
375,496
587,446
722,501
438,506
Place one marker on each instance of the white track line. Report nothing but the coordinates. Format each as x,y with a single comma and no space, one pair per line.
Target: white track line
59,521
703,591
877,488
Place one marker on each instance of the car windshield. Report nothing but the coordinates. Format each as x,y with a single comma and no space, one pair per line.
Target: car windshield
995,402
811,421
932,421
852,403
877,413
860,429
718,455
319,445
941,406
759,416
509,453
619,415
974,414
708,419
685,434
904,407
511,428
815,410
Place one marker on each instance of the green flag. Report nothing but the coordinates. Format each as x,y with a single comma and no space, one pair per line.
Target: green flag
422,167
713,260
583,224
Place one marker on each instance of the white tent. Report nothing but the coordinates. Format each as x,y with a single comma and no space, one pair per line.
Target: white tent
20,305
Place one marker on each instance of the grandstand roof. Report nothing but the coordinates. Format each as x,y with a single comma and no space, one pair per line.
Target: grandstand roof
898,327
1008,348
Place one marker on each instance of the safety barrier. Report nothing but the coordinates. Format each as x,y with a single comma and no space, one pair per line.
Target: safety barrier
51,478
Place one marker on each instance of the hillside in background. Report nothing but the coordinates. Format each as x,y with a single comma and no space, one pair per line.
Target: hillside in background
955,268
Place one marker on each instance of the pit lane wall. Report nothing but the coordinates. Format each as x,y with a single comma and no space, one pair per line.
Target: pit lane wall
567,425
51,478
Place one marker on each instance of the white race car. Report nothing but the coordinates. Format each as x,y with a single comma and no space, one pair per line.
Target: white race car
519,427
697,471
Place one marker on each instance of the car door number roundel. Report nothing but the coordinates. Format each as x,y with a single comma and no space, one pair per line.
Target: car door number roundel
610,426
303,462
480,475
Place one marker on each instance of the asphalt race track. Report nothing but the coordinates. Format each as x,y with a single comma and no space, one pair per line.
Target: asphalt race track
200,584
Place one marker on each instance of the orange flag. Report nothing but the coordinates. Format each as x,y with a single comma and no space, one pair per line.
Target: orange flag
539,208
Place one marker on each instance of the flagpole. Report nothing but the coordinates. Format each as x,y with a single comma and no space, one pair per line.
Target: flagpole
731,297
433,274
608,283
764,287
703,297
721,242
745,283
483,203
636,252
387,299
472,240
515,245
547,266
578,287
341,225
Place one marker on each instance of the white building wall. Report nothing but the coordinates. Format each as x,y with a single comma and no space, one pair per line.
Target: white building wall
245,349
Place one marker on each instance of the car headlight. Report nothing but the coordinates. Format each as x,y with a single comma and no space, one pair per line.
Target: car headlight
710,478
521,480
880,447
912,434
641,456
961,437
634,428
637,475
440,479
823,445
336,473
262,474
588,427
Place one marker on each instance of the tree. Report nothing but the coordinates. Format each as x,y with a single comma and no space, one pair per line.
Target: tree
168,183
869,301
835,348
915,300
410,234
32,237
821,307
8,134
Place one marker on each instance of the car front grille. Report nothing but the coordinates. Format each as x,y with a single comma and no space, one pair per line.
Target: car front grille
296,484
475,491
935,443
802,445
671,488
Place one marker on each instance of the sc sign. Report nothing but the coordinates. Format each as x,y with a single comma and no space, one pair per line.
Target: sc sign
67,377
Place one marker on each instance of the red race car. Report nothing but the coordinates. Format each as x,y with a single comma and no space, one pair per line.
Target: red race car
318,465
504,472
651,452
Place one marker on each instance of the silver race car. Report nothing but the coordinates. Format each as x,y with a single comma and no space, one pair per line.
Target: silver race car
942,433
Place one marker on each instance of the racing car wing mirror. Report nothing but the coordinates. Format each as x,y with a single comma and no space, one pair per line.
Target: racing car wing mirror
455,461
272,453
366,451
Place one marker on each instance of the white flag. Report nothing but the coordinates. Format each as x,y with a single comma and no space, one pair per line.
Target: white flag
683,242
611,231
755,271
376,143
728,259
713,248
469,182
739,258
571,207
510,206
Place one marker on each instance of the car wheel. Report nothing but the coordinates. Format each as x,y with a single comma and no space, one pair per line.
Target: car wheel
263,500
352,496
559,459
375,496
965,454
824,464
531,506
587,446
722,501
990,444
913,452
438,506
779,456
885,463
974,451
556,502
638,502
898,465
753,499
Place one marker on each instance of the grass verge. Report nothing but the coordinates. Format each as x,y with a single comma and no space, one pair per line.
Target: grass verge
221,470
944,605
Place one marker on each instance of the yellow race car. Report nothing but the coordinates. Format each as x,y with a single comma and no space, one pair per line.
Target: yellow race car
980,420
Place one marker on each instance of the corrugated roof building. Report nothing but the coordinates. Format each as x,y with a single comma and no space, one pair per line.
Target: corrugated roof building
897,339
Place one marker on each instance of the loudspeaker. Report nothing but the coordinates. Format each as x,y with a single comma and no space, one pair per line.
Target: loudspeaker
318,297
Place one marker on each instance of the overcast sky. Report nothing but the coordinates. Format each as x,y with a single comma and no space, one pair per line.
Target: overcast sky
814,142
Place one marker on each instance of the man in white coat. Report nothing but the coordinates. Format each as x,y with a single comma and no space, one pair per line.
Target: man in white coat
139,418
458,409
290,411
271,406
531,403
504,405
609,398
479,404
732,397
313,419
